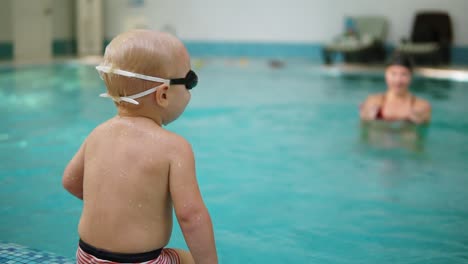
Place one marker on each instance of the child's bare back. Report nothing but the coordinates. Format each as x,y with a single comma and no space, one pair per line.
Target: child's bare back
130,172
128,205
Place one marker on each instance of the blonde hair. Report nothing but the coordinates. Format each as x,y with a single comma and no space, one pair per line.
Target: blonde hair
140,51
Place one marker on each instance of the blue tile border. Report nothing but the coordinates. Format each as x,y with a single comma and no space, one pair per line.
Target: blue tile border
257,50
460,55
64,47
14,253
310,51
6,51
60,47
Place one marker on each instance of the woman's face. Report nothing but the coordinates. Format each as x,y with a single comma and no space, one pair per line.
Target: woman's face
398,78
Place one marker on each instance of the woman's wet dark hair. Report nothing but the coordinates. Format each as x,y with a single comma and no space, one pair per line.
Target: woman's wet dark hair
401,60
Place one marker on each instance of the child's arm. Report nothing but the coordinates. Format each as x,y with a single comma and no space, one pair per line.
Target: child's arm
72,179
190,209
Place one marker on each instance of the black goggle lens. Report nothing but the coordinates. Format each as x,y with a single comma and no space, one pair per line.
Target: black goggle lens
190,80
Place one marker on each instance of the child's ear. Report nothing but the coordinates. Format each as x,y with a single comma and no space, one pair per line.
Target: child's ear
161,96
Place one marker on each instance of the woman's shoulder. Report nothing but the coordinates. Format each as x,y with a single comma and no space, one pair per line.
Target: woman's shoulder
377,97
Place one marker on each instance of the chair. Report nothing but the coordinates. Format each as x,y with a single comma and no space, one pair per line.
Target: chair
431,39
362,43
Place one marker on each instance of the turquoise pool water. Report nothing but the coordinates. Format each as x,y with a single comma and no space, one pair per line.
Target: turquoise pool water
280,162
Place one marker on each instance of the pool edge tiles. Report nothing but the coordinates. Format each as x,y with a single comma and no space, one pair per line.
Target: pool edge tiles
14,253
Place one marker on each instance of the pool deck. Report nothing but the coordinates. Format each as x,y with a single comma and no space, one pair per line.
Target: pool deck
446,72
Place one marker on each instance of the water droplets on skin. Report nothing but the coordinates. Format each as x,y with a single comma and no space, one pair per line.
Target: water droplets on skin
123,174
72,177
91,159
187,205
130,124
124,133
106,171
155,136
149,158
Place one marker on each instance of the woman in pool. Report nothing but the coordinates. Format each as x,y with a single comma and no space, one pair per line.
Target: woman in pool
401,113
397,103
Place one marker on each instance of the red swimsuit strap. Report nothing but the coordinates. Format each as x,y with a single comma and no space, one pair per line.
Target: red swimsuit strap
380,113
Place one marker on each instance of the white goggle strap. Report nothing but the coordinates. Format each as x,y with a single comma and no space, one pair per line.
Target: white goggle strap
119,99
131,98
108,69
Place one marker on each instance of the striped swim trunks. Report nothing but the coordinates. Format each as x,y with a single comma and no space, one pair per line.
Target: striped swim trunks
87,254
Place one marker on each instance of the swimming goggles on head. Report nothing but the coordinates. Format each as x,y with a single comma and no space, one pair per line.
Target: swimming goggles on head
190,81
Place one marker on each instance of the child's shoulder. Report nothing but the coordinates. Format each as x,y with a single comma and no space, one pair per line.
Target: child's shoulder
178,142
102,127
171,138
373,99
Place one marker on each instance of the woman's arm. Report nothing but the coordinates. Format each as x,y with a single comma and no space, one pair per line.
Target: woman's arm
421,112
369,108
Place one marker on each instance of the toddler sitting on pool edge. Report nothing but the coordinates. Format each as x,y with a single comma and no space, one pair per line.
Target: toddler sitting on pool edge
130,172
